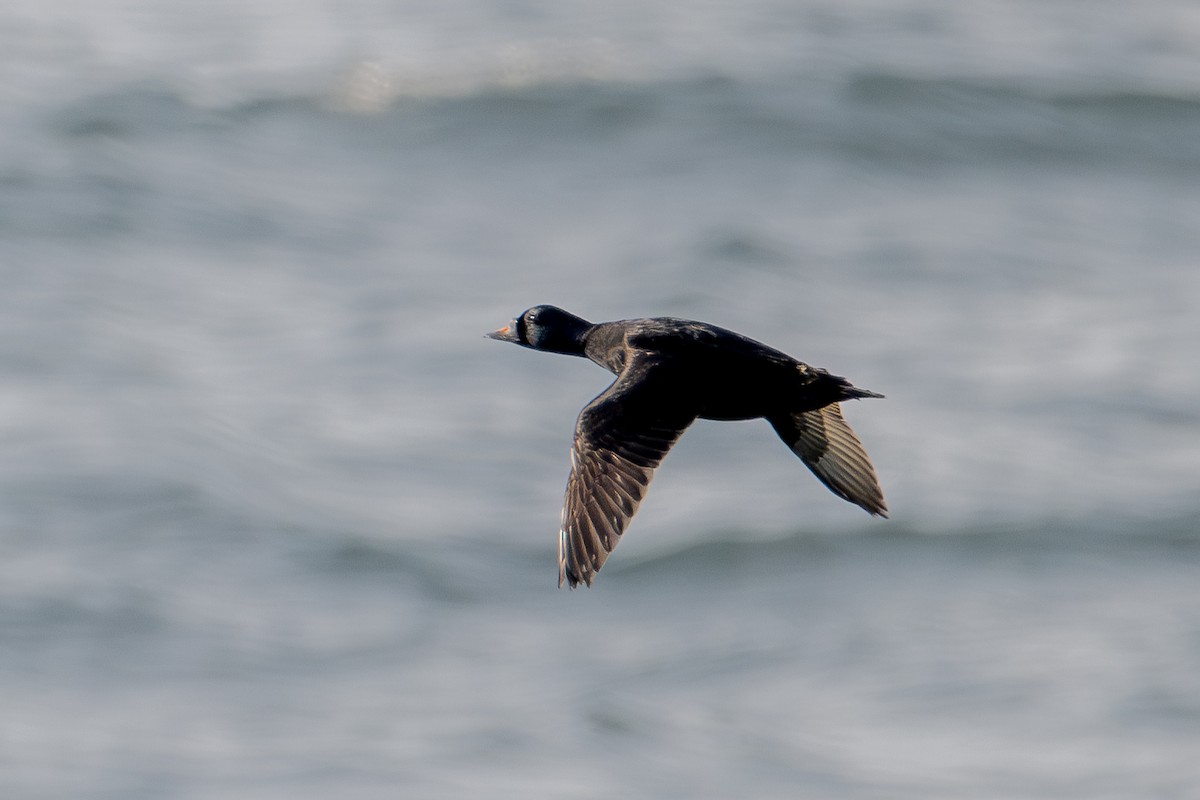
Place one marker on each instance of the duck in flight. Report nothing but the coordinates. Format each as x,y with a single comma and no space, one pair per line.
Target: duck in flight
671,372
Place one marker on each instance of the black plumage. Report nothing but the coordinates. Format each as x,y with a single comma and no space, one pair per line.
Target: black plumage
669,373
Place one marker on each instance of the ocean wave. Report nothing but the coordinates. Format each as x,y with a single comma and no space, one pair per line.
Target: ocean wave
472,571
960,119
892,88
1047,540
370,86
880,115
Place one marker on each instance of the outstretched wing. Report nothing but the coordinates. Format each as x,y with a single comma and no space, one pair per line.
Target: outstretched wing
620,438
827,445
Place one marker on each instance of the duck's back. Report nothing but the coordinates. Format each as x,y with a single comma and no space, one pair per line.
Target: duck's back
684,342
723,374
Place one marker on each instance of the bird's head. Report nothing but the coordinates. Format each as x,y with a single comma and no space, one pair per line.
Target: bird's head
546,328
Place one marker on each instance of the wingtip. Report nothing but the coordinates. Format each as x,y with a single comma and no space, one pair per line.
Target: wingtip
572,581
570,576
873,506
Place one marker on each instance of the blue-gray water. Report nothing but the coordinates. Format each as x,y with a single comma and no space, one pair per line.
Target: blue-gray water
277,522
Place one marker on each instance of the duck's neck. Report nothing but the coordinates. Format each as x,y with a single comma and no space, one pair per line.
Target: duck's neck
605,344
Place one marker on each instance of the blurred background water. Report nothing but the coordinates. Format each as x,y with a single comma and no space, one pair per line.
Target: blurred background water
275,520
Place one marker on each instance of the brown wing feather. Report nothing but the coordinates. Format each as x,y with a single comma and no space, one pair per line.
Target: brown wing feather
620,438
826,444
